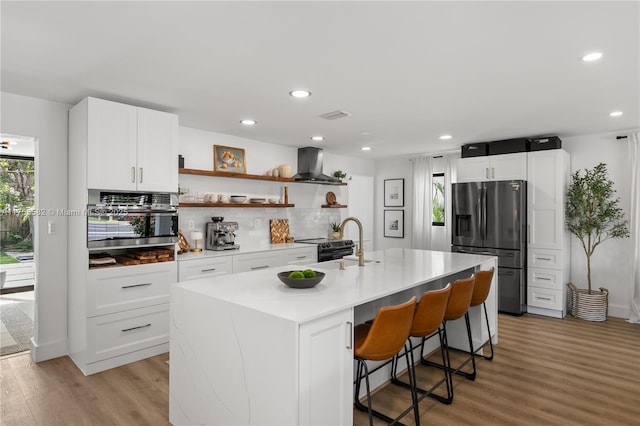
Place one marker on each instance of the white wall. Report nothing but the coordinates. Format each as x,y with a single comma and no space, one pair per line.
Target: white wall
610,263
393,168
48,122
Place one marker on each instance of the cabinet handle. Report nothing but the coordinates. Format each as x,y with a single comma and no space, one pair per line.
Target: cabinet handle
136,285
528,234
140,174
493,173
255,268
301,257
543,258
486,172
207,270
135,328
133,175
543,279
544,298
350,334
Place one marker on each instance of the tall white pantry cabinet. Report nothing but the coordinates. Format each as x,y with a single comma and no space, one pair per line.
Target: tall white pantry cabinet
119,314
549,250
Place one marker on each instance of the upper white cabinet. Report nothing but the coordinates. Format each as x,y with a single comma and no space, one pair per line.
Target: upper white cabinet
129,148
548,178
494,167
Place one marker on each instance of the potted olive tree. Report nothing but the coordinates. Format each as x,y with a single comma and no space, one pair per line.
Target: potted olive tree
593,215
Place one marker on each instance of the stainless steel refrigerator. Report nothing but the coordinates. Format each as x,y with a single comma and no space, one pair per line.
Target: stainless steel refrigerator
491,218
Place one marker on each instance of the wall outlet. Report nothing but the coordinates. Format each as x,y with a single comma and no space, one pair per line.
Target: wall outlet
191,225
51,227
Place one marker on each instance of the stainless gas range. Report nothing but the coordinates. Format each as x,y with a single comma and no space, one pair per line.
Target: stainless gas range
330,249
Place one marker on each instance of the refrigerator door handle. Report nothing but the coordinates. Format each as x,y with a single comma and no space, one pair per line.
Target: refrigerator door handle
484,214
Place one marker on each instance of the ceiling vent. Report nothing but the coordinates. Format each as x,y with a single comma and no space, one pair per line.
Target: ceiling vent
334,115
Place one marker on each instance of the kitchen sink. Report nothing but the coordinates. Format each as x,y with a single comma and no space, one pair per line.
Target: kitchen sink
348,262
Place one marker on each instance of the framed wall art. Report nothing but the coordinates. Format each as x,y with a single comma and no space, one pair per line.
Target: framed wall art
394,192
394,223
229,159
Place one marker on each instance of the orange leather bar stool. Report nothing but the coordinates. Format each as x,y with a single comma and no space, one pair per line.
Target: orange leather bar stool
457,307
480,293
381,340
427,322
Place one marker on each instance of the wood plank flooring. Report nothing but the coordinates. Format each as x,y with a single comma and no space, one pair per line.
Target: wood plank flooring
545,372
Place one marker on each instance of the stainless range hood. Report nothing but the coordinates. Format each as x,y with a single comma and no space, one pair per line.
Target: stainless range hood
310,167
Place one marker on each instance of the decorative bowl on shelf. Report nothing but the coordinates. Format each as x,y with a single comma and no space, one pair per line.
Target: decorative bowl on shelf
257,200
274,200
300,282
238,198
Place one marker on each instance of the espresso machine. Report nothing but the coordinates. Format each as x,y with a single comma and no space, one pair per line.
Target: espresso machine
221,235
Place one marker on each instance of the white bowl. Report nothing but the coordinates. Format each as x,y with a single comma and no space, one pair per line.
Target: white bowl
274,200
238,198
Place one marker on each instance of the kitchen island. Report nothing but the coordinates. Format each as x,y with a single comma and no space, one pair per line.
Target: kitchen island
246,349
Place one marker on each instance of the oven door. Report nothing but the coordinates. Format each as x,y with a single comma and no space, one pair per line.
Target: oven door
334,254
113,227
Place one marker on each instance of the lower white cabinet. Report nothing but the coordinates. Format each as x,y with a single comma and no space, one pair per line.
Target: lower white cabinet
256,261
326,370
121,333
303,256
119,315
205,267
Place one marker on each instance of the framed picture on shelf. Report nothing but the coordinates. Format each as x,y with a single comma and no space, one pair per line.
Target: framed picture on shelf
394,192
394,223
229,159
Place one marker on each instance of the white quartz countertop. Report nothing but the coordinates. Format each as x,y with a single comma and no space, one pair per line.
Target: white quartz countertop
253,247
398,269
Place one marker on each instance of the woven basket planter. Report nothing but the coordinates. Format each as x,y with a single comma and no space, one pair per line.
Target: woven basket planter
592,306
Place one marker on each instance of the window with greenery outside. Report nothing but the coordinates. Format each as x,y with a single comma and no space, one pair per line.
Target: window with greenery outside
17,196
437,202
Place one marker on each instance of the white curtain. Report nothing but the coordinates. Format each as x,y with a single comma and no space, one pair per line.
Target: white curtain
634,222
422,195
450,176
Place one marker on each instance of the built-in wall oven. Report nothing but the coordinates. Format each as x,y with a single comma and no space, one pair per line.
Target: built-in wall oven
116,219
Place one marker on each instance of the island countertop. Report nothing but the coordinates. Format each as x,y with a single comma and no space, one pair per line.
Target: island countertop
398,269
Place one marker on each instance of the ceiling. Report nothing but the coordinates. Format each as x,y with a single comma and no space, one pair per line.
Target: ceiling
407,72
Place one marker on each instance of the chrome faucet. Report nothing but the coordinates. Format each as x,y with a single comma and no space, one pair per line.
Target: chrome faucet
359,250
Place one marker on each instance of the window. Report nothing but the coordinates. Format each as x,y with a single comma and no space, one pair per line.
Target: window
437,210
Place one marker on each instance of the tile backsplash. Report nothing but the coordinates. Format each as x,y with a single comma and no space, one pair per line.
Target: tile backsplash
253,223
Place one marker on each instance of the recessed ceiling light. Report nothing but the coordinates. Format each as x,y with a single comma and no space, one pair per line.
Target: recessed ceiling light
366,148
317,138
615,113
445,137
590,57
248,122
300,93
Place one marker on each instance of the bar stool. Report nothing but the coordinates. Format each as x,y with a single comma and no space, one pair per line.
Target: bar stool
480,293
382,340
457,307
427,322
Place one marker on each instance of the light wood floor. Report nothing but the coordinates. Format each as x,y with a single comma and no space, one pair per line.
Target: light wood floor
545,372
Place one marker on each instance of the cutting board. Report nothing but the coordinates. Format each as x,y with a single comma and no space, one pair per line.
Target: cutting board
279,230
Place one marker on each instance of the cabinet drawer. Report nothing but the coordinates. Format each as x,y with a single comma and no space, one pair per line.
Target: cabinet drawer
303,256
544,298
208,267
118,289
118,334
545,278
256,261
542,258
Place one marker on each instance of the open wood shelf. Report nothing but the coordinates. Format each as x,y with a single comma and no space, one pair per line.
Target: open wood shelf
235,205
212,173
334,206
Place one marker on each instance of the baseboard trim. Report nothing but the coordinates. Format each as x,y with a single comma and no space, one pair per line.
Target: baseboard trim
619,311
49,351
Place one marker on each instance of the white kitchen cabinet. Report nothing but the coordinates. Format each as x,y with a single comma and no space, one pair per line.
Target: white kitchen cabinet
301,256
548,249
128,148
493,167
326,370
256,261
206,267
